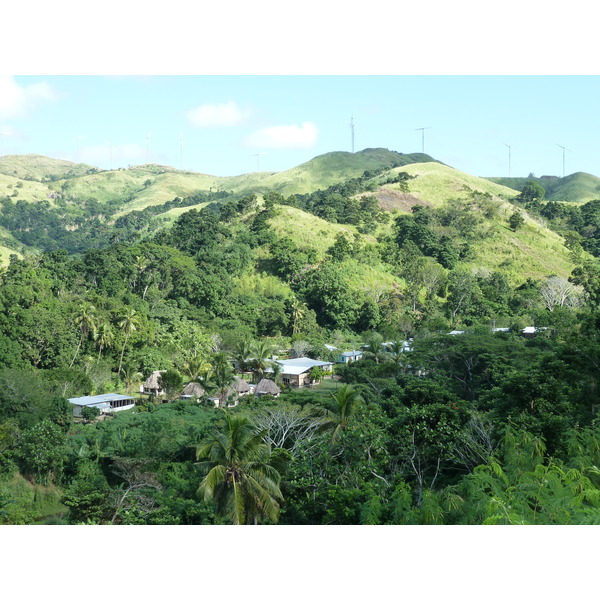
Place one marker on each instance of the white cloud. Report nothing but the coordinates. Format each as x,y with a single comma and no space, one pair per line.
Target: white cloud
284,136
16,100
217,115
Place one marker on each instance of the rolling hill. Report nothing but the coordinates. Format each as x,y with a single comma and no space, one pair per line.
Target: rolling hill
577,187
533,251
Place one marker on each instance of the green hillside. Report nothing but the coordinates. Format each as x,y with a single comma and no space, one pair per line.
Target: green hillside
334,167
577,187
37,167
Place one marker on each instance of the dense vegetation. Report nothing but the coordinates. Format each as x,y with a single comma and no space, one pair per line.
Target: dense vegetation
482,426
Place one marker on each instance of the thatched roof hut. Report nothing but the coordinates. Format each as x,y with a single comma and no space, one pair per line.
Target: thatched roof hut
152,385
266,386
192,390
239,386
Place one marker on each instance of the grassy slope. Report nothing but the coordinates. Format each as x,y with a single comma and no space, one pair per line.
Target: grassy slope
334,167
534,251
577,187
310,232
30,191
36,166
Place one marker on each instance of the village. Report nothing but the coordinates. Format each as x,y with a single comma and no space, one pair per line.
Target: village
291,373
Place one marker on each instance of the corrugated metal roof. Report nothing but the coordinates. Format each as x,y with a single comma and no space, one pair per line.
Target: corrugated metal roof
93,400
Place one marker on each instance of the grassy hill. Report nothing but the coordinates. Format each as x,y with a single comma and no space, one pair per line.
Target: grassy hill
577,187
38,167
533,251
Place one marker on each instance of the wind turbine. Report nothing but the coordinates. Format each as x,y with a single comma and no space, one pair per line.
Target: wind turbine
258,154
79,137
508,158
422,130
351,123
148,146
563,153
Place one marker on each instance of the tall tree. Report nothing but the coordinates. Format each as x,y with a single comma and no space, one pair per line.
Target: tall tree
242,474
128,323
86,321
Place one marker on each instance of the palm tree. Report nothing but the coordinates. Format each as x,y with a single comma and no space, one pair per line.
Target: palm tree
241,354
261,361
196,367
86,320
348,400
242,477
297,312
221,377
129,321
104,337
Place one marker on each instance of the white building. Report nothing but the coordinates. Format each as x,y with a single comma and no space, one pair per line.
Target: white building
105,403
295,371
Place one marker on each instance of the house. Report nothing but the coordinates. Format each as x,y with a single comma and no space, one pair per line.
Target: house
295,371
152,386
192,390
456,332
267,387
530,332
105,403
348,357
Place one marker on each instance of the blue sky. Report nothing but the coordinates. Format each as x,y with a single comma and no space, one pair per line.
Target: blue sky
225,121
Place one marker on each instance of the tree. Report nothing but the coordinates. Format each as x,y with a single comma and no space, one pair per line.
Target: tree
559,292
516,221
220,377
104,337
86,321
90,413
170,381
262,358
348,400
242,473
316,374
128,322
531,191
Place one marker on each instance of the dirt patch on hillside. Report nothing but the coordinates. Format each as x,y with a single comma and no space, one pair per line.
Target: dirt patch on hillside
394,200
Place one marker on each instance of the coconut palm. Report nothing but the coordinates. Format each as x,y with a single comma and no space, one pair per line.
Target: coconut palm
261,361
221,376
348,400
128,322
86,321
241,353
196,367
297,312
104,337
242,475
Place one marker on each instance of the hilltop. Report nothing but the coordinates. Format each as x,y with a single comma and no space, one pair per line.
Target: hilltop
84,203
577,188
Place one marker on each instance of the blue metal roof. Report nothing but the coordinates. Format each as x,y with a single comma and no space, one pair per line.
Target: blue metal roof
92,400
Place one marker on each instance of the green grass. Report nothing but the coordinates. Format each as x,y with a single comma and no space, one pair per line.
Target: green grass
435,184
577,187
37,166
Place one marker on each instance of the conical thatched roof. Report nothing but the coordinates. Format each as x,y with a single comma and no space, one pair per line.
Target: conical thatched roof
152,381
240,386
193,389
267,386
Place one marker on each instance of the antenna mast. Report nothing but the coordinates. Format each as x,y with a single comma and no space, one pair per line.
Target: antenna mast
352,131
